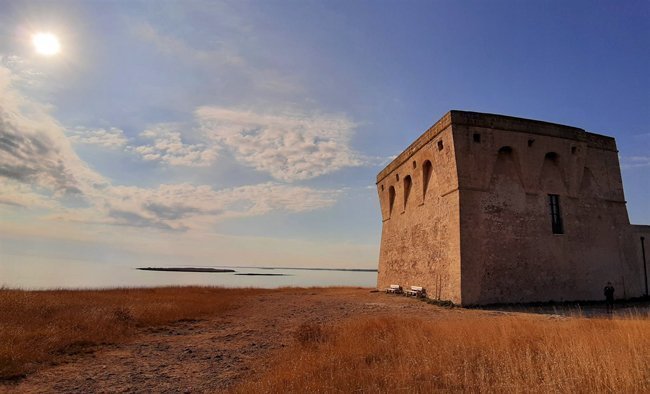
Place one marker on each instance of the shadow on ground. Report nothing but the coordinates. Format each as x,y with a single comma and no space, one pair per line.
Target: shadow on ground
622,308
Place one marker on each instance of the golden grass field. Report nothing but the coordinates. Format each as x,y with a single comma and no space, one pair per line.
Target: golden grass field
37,326
506,354
406,346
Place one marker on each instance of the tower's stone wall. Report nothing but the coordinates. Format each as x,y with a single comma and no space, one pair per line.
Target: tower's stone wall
484,232
420,237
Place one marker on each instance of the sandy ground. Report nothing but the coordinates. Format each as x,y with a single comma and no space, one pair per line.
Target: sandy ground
214,354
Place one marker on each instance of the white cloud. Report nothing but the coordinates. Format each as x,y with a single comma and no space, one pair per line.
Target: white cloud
168,147
40,168
34,148
290,145
16,194
111,138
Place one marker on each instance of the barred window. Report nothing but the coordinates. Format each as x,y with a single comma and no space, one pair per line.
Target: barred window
556,216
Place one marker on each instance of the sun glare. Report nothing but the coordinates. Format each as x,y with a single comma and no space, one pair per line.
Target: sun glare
46,44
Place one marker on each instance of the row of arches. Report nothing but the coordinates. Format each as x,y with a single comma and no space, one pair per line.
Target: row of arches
507,150
552,176
407,181
507,165
505,155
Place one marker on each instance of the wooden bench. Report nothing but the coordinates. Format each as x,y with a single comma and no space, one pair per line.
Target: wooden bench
394,289
416,291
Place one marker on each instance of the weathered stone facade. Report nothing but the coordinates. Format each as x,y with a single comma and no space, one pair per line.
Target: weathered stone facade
494,209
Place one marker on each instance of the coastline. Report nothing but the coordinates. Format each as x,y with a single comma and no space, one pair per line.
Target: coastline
185,269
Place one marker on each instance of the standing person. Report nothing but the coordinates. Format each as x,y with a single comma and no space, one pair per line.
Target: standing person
609,297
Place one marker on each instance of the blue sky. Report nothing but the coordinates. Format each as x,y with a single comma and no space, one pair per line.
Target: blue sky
251,132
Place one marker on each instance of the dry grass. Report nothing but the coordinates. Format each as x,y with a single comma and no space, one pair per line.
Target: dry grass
469,351
38,326
483,354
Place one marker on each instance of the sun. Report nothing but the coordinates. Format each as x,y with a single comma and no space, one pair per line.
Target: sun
46,44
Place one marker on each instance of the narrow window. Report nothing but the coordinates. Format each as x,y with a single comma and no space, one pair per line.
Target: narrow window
397,177
427,170
440,146
556,217
477,138
382,188
574,150
391,199
414,164
407,189
530,143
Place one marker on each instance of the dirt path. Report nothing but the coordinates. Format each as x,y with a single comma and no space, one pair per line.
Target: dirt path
214,354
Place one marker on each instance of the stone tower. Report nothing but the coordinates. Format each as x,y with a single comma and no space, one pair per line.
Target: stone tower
487,209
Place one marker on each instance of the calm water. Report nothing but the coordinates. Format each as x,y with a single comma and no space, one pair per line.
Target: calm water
76,274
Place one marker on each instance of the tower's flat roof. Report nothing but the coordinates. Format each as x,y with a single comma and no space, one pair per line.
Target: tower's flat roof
499,122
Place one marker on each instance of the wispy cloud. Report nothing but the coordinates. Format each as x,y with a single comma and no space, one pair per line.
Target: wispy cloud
112,137
33,146
21,73
178,48
290,145
181,207
635,161
16,194
40,167
289,142
167,146
226,60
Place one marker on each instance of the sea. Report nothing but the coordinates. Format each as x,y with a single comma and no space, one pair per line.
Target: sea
44,275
